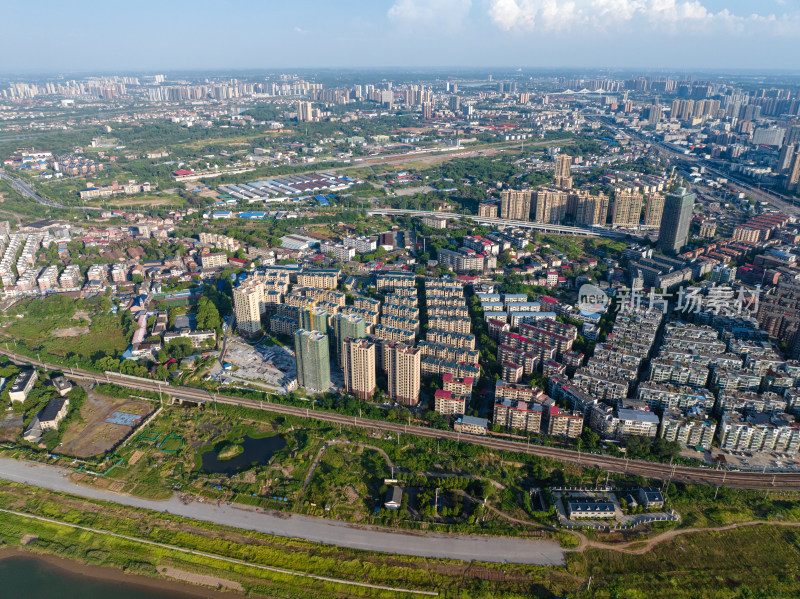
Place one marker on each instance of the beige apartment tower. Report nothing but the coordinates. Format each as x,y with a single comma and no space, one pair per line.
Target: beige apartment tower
358,362
487,209
562,177
627,208
793,176
248,304
515,204
653,209
550,205
589,209
404,364
305,112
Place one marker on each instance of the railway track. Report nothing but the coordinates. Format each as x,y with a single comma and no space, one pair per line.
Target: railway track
783,481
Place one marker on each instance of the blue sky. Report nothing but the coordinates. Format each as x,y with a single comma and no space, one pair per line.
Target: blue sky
80,35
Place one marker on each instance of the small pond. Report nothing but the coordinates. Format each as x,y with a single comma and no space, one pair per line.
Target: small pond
255,451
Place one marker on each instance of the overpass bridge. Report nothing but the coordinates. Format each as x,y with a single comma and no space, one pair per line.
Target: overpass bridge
500,222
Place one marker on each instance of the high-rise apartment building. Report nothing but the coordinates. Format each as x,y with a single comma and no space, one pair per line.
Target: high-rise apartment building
786,157
347,326
708,108
403,367
550,205
314,318
248,305
427,110
455,103
674,230
654,114
653,210
358,363
793,176
487,209
515,204
588,209
627,208
313,360
682,109
305,112
562,177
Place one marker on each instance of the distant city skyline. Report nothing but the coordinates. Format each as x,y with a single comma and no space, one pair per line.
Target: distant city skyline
201,35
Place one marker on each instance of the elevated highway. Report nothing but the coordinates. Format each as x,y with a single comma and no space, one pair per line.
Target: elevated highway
500,222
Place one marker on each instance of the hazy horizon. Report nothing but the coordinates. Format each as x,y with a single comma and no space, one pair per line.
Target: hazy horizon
85,36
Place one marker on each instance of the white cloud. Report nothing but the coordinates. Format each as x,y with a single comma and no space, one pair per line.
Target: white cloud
507,14
300,30
670,16
443,14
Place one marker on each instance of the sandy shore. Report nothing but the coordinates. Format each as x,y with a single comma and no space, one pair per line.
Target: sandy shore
201,579
116,575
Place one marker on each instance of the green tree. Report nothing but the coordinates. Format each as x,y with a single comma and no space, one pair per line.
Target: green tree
637,446
665,450
179,348
590,439
207,314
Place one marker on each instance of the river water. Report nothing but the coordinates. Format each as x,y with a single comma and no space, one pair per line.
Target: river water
31,577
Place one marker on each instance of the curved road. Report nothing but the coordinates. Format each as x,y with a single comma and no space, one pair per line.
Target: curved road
644,546
654,470
28,191
318,530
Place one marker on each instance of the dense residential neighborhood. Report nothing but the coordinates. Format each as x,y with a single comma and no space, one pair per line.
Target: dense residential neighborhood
298,322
